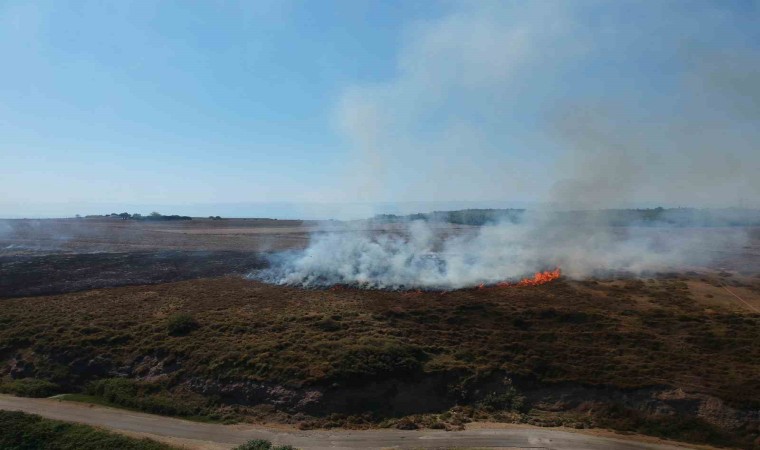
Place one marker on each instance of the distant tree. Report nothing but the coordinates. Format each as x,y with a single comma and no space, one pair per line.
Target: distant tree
78,216
137,216
154,216
125,215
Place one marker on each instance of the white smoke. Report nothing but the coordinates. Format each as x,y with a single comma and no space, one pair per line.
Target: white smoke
579,105
422,255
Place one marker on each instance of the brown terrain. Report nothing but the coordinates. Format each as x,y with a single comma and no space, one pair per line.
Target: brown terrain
160,317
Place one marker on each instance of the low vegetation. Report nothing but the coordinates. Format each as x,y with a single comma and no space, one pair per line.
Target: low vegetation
29,387
180,324
146,396
221,348
260,444
19,431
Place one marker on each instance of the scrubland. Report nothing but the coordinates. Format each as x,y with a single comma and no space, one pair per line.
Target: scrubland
581,353
668,354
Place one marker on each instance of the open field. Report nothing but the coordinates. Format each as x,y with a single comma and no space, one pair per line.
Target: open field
114,235
23,236
157,317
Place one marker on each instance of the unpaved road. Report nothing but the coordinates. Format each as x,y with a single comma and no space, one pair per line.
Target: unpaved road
210,436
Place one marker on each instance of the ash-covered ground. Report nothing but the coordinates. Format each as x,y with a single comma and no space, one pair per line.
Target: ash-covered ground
55,273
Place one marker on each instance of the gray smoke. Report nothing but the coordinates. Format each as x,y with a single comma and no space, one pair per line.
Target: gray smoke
578,106
423,255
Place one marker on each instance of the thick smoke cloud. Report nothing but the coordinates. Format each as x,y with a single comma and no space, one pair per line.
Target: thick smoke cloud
577,106
656,103
437,256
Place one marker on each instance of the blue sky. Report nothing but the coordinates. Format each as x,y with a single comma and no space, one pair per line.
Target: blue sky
209,102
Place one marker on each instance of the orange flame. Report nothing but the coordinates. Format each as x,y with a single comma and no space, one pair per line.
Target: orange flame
537,279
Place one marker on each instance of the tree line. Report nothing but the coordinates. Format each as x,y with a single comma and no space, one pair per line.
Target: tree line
136,216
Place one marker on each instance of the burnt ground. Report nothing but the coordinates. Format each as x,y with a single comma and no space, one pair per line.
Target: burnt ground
41,274
673,354
19,236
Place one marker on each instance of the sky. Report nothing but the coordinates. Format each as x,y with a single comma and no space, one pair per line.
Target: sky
204,106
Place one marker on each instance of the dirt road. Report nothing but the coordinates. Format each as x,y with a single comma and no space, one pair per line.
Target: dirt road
211,436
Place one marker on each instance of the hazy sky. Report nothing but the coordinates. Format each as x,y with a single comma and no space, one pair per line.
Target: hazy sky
173,103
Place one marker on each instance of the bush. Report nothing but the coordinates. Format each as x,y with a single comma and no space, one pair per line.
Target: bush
30,387
181,324
509,399
19,431
261,444
684,429
374,359
115,390
148,397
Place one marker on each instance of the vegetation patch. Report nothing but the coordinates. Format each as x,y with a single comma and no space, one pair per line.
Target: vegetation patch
261,444
29,387
265,351
180,324
667,426
20,431
377,359
150,397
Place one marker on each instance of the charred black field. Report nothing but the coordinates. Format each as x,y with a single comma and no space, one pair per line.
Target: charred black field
35,274
169,324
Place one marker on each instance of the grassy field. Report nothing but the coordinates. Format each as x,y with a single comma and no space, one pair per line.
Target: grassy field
627,334
19,431
218,347
674,355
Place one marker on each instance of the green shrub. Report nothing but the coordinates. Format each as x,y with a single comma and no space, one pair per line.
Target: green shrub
30,387
374,359
150,397
19,431
509,399
261,444
684,429
120,391
180,324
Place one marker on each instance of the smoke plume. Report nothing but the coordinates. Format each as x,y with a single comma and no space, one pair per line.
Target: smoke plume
423,255
575,106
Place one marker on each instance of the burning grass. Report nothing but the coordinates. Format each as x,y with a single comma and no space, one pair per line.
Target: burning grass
536,280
